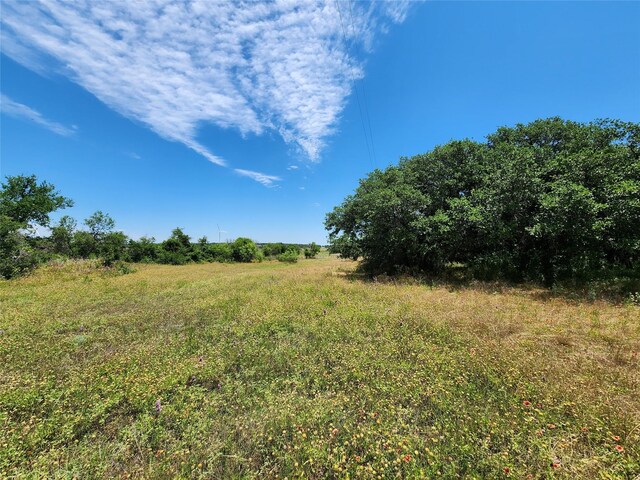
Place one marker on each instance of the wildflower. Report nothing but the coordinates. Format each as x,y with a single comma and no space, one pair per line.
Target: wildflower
619,448
472,351
158,406
407,458
507,470
334,431
616,437
555,465
526,403
584,429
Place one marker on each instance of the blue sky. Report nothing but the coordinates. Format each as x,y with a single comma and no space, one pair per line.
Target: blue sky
203,114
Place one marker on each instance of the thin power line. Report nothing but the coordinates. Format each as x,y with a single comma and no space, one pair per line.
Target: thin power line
364,93
364,129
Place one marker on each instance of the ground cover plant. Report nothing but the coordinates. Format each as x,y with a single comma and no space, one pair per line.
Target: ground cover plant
274,370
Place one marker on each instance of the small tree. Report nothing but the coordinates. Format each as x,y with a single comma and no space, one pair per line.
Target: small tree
100,224
62,235
312,251
24,203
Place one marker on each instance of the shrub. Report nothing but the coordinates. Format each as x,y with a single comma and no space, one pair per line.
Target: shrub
113,248
289,256
177,249
219,252
312,251
144,250
273,249
243,250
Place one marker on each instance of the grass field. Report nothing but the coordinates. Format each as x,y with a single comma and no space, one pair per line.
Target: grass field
272,370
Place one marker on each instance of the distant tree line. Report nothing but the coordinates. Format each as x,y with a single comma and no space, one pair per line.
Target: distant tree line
26,204
546,201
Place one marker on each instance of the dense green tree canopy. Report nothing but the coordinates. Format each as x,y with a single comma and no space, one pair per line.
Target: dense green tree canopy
25,201
547,200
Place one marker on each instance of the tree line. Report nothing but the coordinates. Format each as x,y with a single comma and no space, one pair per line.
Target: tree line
546,201
26,204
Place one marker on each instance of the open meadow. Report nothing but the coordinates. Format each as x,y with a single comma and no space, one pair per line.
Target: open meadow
273,370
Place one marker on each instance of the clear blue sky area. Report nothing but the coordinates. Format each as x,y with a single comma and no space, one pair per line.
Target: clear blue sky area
130,114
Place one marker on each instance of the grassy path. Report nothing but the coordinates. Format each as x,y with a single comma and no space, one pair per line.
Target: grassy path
272,370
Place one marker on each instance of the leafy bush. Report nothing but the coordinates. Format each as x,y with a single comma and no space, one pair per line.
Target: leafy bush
243,250
113,248
144,250
546,201
219,252
273,249
289,256
84,245
177,249
312,251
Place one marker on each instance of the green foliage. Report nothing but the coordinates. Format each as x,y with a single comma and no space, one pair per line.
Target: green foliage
244,250
547,201
84,245
289,256
23,204
219,252
312,251
16,255
26,202
144,250
273,249
177,249
113,248
100,224
62,236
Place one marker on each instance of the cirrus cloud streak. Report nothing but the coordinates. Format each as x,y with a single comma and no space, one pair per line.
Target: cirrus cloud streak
173,66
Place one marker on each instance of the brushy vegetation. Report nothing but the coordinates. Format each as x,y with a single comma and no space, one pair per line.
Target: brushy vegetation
270,370
551,201
26,204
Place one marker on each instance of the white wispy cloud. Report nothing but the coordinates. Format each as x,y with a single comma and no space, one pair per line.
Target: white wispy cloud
292,167
266,180
173,66
19,110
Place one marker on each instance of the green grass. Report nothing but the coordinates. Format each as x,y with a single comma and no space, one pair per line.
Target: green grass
273,370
